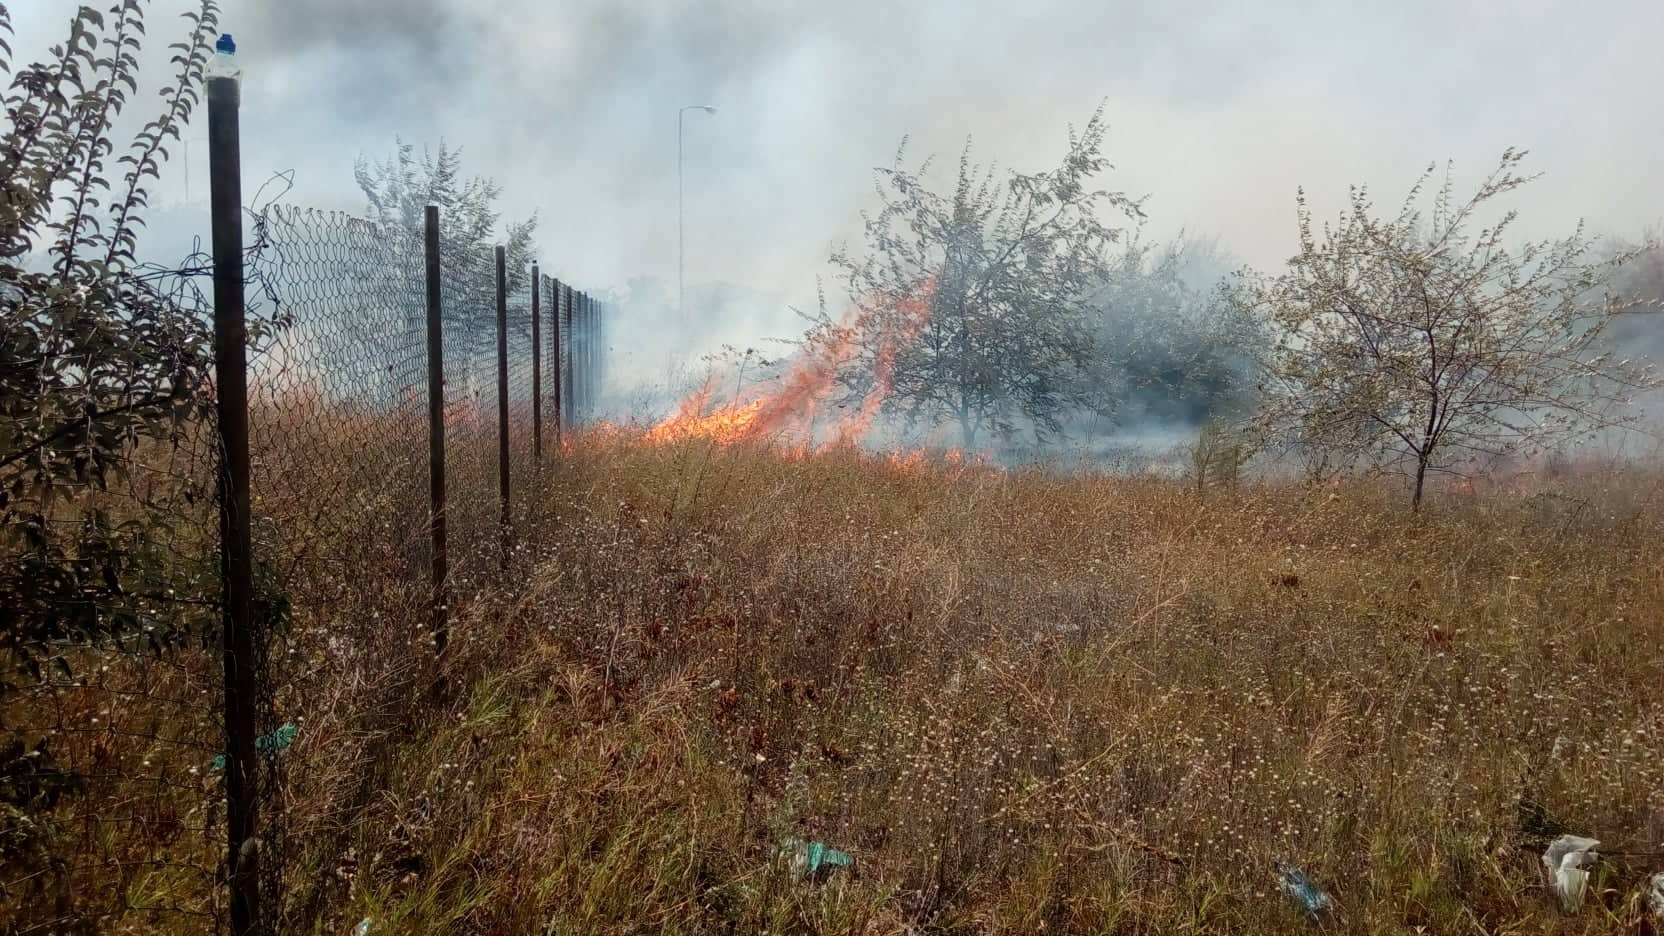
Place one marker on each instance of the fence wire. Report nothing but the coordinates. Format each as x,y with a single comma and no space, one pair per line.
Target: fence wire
341,488
338,474
131,720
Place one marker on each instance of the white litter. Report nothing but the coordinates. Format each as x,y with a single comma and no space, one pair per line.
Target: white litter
1565,860
1655,897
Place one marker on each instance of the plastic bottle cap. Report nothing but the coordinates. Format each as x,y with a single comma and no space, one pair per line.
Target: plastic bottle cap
226,44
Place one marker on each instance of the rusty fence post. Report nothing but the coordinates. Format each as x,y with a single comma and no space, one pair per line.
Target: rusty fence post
554,354
502,406
440,564
537,367
242,793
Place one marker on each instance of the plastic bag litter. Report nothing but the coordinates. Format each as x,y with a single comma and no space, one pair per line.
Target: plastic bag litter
1565,860
268,744
363,927
1655,898
808,859
1297,884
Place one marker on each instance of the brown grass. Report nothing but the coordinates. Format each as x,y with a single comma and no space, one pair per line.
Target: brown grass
1029,703
1024,703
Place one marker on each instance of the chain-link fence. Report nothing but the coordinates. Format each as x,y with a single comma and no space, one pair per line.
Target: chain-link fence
407,392
345,497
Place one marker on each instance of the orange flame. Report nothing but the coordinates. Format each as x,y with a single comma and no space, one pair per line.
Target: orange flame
787,415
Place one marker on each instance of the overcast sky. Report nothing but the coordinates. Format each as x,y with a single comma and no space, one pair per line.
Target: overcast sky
1218,110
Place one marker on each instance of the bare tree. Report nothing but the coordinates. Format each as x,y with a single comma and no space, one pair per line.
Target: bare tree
991,287
1419,342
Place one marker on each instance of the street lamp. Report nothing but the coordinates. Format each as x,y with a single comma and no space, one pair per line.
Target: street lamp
681,227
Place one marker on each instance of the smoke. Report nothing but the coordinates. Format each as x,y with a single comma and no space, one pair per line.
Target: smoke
657,356
1218,111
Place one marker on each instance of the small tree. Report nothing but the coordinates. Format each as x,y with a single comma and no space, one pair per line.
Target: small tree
1215,457
989,287
1416,340
1170,350
400,188
96,363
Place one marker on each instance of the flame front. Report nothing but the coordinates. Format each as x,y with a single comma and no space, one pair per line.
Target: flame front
729,424
787,414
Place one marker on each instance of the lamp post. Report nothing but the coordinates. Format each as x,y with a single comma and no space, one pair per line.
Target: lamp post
681,227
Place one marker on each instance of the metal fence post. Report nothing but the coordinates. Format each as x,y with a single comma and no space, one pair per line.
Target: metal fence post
236,549
572,358
574,330
436,436
595,359
502,400
570,385
554,354
580,326
601,311
593,340
537,367
583,331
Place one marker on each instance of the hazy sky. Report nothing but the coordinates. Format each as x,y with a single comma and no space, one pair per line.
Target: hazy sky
1217,110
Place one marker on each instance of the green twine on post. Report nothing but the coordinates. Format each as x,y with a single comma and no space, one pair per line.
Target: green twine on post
268,743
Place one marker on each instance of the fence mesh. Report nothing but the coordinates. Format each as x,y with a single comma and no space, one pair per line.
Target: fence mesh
341,485
338,474
131,719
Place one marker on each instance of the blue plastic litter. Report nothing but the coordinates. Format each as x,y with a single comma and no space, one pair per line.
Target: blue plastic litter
268,743
1297,884
811,858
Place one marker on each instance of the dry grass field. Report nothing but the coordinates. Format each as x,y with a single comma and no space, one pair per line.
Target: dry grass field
1023,702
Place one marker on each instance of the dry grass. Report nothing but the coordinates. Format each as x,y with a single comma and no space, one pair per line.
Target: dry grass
1024,702
1028,704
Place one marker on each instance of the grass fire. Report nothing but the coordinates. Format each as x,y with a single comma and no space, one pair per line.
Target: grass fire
1262,532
